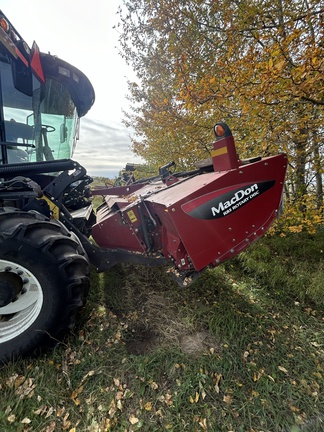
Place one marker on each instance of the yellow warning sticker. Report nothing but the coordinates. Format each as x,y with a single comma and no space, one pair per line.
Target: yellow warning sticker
219,152
132,216
53,208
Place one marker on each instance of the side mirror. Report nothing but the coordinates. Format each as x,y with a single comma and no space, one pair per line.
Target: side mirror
21,72
22,77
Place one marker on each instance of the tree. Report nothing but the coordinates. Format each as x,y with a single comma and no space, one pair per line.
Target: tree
256,64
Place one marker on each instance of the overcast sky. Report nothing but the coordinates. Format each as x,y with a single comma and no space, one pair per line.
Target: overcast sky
82,34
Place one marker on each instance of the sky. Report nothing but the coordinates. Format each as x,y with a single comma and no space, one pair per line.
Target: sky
82,34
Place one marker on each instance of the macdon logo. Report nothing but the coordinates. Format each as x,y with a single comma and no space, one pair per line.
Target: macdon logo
229,202
240,197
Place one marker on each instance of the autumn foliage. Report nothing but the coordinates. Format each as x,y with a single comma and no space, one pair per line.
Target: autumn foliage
258,65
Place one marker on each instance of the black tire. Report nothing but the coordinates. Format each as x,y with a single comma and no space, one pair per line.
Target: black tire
51,272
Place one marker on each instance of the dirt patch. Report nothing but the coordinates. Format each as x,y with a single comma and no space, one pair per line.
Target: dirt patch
199,343
142,343
158,316
146,341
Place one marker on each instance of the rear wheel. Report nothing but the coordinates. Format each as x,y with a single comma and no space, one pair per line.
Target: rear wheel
44,280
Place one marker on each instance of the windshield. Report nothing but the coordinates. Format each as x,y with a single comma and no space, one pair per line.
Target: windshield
41,127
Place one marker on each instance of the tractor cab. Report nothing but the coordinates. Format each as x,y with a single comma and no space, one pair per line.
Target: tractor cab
42,100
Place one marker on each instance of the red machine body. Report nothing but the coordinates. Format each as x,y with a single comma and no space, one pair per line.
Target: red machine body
195,219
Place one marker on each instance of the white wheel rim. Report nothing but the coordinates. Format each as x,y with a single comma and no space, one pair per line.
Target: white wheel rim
17,316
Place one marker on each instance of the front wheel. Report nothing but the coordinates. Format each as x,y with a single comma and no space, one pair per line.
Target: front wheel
44,280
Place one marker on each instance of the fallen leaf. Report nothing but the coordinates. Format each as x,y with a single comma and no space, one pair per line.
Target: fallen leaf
133,420
203,394
282,369
148,406
194,399
203,424
154,385
8,409
60,411
168,399
11,418
66,422
41,410
315,344
89,374
112,409
217,380
49,412
228,399
76,400
19,380
293,408
258,375
51,427
26,420
245,356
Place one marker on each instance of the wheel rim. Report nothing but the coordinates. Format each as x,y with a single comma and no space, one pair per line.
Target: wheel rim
17,316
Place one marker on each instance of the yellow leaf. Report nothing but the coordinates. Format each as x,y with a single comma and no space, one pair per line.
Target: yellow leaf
74,394
228,399
293,408
258,375
51,427
112,408
119,395
203,424
49,412
315,344
75,399
26,420
217,380
148,406
282,369
168,399
154,385
133,420
11,418
19,380
89,374
41,410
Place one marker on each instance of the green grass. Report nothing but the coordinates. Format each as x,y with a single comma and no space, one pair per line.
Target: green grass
293,266
239,350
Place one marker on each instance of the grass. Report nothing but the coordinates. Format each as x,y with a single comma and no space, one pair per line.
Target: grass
239,350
